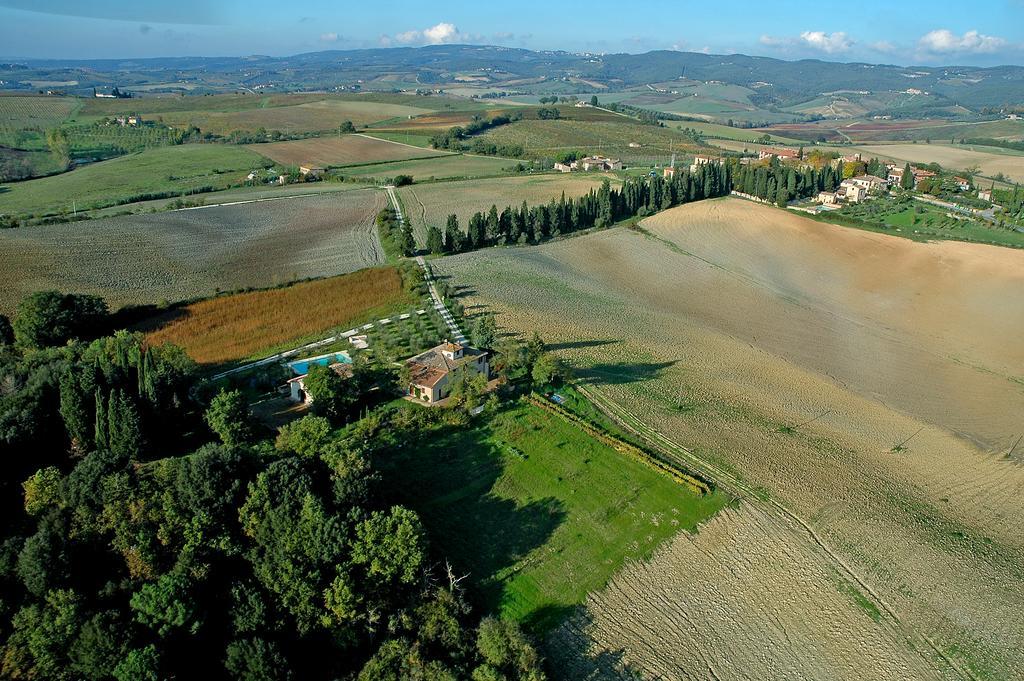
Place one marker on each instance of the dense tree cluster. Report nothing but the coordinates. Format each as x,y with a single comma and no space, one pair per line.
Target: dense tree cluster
779,183
599,208
453,138
134,548
396,238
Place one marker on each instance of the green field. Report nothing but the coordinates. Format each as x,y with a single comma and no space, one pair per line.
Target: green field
720,131
442,167
416,139
179,169
547,139
921,222
322,115
538,512
42,112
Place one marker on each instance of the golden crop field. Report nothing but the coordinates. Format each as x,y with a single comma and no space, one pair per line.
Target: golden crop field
340,151
235,327
856,389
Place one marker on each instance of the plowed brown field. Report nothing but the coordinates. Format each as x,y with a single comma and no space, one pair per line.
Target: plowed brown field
861,391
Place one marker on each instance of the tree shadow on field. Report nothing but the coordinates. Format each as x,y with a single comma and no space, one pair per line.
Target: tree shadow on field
575,345
568,655
613,373
450,480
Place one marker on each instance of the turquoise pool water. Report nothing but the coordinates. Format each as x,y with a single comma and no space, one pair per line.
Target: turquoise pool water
301,366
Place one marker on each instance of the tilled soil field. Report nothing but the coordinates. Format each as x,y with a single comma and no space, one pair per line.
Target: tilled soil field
192,253
859,385
712,625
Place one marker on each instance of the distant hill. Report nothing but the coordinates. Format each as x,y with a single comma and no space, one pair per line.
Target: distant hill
777,81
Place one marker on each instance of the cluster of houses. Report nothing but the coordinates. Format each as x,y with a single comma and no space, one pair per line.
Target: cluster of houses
588,163
779,153
699,160
432,374
856,189
128,121
853,190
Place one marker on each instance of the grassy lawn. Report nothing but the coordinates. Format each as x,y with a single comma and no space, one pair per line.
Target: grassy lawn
538,512
178,169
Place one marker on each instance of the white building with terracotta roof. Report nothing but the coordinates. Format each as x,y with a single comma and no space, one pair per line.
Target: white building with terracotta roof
433,373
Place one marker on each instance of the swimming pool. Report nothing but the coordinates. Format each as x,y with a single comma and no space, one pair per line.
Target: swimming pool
301,366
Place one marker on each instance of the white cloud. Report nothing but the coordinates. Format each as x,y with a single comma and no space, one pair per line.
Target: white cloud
830,43
439,34
883,46
442,33
818,41
944,41
329,38
771,41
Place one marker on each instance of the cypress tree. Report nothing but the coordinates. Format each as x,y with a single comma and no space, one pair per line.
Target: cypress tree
100,430
907,181
124,426
435,241
75,411
452,235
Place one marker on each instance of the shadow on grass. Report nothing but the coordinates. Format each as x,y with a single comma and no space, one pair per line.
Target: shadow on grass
547,617
450,481
619,374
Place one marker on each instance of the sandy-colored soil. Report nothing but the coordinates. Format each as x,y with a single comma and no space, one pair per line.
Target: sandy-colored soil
711,624
990,163
193,253
346,150
868,385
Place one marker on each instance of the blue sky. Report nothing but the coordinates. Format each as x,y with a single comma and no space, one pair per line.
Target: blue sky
900,31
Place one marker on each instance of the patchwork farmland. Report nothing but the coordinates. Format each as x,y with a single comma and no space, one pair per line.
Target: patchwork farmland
342,150
888,492
444,167
547,139
184,169
187,254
